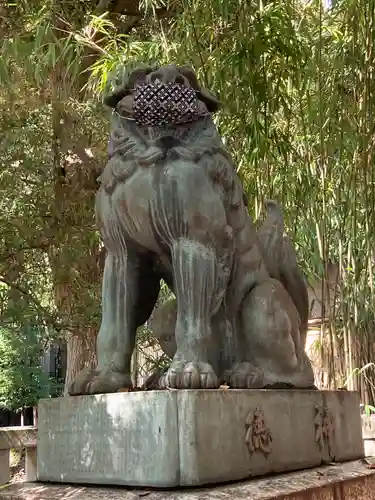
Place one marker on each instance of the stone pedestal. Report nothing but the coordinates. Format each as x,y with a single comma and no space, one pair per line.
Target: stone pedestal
22,437
190,438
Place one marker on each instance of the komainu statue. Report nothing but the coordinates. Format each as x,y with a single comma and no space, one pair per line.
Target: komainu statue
172,207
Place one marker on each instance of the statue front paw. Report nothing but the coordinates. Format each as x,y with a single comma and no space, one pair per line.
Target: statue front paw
190,375
244,376
99,382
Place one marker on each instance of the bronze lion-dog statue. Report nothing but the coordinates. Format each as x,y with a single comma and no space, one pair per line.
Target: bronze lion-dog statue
171,206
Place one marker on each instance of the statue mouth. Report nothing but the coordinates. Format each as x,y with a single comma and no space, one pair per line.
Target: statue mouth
170,136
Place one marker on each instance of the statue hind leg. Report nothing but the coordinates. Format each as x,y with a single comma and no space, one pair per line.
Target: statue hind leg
276,357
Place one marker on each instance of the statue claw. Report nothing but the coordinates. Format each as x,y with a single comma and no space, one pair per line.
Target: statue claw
191,375
99,382
244,376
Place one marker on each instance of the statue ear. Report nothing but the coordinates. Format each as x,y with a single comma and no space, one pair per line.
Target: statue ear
115,97
204,95
211,102
189,74
126,88
125,106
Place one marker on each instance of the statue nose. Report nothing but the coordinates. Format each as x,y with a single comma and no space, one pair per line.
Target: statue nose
168,74
167,142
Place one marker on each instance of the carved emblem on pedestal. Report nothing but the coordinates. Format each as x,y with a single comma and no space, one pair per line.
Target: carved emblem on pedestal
258,436
324,427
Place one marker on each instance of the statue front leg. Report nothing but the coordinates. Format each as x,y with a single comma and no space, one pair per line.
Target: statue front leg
123,310
195,283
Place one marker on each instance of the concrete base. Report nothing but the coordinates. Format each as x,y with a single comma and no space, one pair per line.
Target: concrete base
348,481
189,438
19,438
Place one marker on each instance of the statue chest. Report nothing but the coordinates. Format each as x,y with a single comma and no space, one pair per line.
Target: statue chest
126,195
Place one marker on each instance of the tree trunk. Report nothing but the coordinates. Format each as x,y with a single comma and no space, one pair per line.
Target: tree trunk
81,354
76,277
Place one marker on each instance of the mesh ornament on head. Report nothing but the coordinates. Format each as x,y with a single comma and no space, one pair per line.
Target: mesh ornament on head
159,104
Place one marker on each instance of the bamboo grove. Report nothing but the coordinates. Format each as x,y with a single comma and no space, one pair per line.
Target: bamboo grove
296,79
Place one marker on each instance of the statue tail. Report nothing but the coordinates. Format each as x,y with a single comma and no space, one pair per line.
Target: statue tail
270,236
281,261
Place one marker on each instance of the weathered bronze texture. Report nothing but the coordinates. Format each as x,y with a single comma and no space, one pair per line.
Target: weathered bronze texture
171,206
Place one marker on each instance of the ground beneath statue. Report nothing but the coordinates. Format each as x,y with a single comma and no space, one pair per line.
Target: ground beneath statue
352,480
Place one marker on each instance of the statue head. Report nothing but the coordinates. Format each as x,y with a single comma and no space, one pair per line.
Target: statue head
162,96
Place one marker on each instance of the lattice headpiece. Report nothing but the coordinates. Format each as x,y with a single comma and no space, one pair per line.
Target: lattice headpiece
161,104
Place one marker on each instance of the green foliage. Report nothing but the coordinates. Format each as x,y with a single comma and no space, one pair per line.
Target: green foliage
297,87
369,410
22,381
147,345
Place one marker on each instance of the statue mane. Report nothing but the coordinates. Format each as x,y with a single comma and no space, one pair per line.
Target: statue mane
132,146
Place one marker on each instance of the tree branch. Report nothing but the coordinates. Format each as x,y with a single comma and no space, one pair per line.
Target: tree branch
46,314
117,9
126,8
